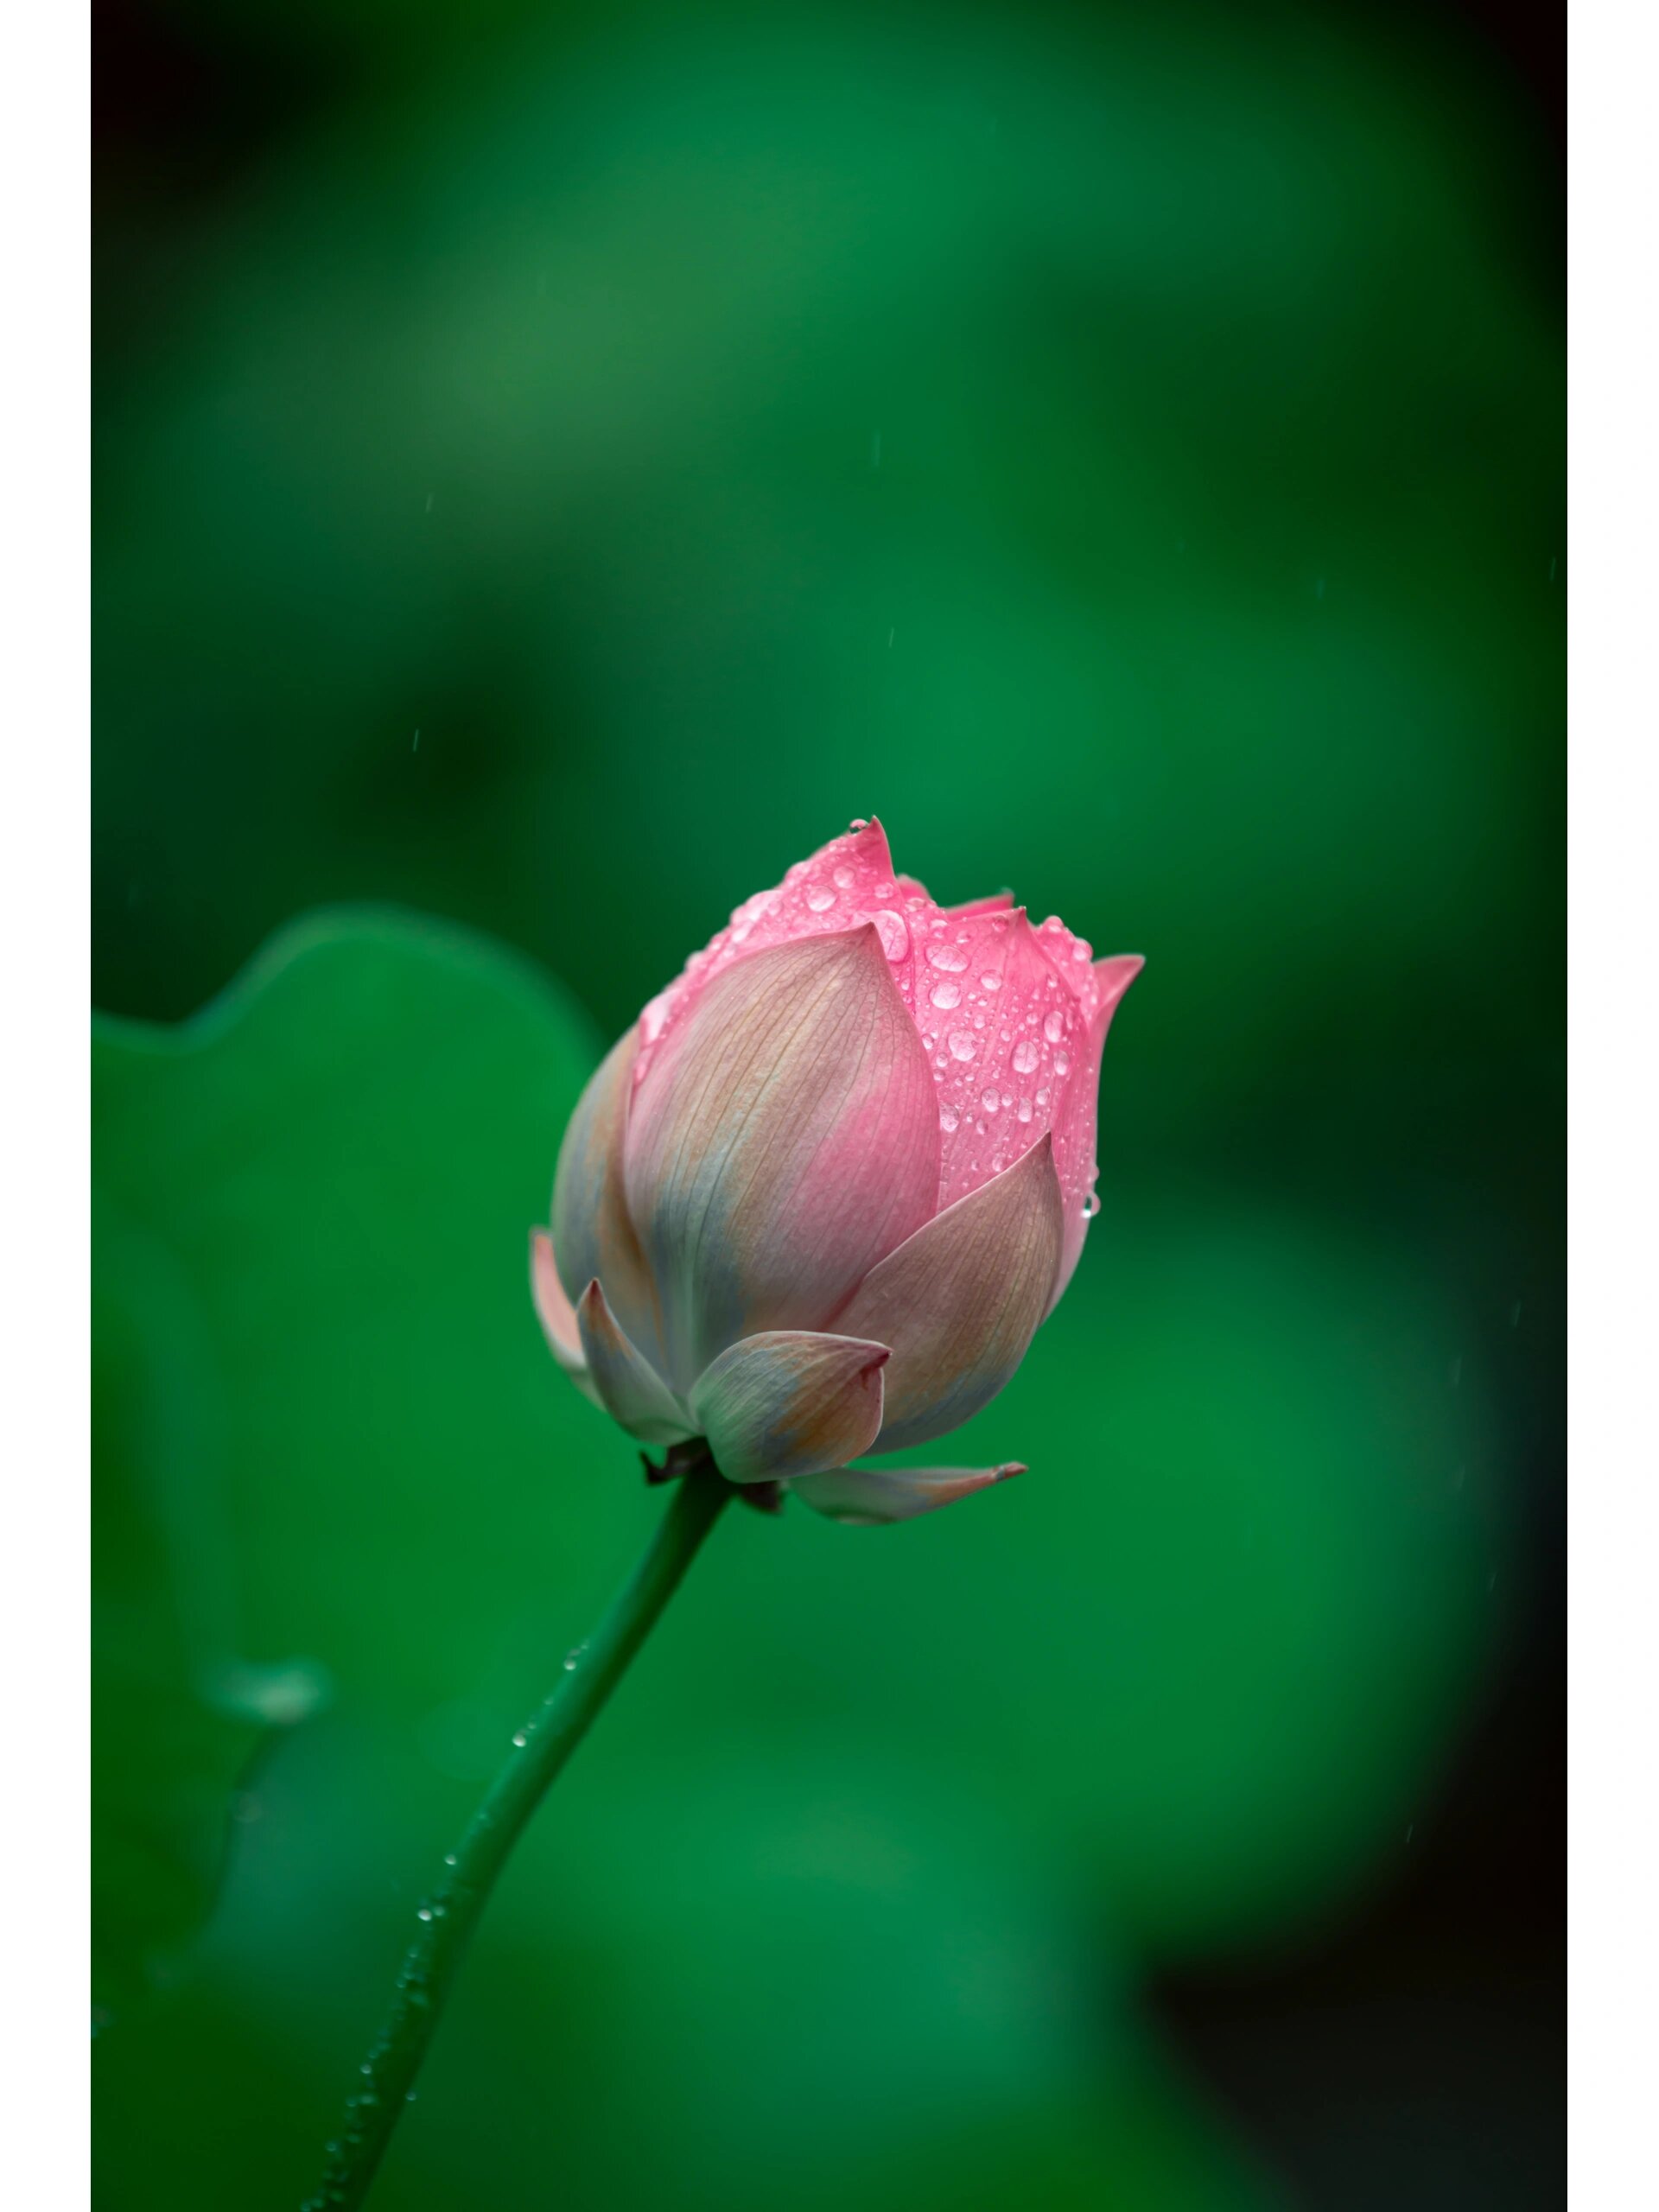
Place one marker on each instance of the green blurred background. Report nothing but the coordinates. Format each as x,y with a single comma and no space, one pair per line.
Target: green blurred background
553,467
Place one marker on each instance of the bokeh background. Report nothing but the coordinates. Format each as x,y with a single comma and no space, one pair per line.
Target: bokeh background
553,467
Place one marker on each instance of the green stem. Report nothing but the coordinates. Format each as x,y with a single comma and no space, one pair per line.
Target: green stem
448,1916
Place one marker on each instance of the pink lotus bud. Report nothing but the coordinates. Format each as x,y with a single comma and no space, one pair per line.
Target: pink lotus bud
814,1204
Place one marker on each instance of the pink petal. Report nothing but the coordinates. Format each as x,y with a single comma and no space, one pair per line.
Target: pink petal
629,1386
959,1300
592,1234
862,1498
1003,1032
789,1402
783,1140
1074,1128
848,882
556,1315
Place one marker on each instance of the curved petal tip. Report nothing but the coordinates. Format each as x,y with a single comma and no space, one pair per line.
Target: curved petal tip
790,1403
1113,977
865,1498
629,1386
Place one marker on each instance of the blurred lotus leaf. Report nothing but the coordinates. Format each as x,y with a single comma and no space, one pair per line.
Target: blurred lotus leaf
178,1719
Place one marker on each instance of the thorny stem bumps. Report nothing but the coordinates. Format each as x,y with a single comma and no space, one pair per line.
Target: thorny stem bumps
540,1749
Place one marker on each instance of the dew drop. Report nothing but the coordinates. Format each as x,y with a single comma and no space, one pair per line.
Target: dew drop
1054,1027
1090,1206
963,1044
425,1913
846,878
1025,1110
519,1739
989,1100
894,933
945,996
949,957
992,982
821,900
948,1119
1062,1063
1024,1056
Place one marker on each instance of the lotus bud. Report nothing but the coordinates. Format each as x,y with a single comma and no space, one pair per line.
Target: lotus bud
814,1205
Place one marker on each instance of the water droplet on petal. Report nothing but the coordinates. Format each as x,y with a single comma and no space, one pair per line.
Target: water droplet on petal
946,994
845,878
963,1044
1054,1027
894,933
1024,1056
821,900
949,957
989,1100
948,1119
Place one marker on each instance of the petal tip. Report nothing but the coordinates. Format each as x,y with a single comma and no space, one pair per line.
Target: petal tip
1116,973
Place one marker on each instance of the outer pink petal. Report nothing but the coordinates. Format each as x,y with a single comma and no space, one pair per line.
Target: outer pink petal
556,1315
788,1403
592,1234
783,1140
1003,1031
1074,1130
864,1498
629,1386
959,1300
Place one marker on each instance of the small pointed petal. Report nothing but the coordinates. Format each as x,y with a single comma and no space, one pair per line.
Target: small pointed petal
865,1498
1075,1126
1112,976
786,1138
960,1300
629,1386
592,1234
556,1315
790,1402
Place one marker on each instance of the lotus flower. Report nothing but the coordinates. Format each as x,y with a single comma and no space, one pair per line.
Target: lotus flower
814,1204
